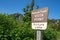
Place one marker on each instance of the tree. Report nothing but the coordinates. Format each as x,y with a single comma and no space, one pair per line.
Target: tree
27,10
17,16
30,34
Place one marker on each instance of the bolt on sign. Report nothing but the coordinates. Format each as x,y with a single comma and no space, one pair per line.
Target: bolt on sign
39,19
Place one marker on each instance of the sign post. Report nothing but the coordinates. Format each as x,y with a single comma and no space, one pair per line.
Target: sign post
39,35
39,21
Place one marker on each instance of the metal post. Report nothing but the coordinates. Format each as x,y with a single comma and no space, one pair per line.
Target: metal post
39,36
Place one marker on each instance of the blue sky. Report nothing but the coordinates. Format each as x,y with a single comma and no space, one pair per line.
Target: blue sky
13,6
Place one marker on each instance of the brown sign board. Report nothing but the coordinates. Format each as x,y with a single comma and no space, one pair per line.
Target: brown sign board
39,16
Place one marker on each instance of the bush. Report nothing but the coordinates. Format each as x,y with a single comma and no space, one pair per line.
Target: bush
14,30
49,34
8,28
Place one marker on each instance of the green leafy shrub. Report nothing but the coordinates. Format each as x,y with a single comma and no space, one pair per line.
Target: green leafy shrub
49,34
8,28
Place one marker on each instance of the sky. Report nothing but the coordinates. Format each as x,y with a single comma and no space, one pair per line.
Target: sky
14,6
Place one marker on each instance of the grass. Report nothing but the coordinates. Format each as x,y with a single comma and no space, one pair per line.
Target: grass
58,35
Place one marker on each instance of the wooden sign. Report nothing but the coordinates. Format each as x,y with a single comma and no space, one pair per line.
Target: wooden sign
39,19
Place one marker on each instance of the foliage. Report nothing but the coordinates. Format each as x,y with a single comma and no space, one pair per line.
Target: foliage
54,24
49,34
8,28
21,30
30,34
14,30
27,17
16,16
